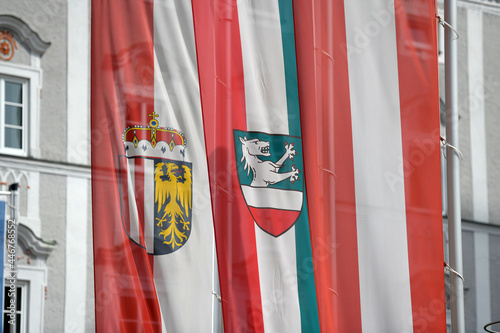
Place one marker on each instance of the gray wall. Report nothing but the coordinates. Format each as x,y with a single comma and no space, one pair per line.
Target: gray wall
492,77
53,215
470,281
464,127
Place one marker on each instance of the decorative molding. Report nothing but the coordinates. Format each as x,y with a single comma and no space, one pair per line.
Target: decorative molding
35,60
492,228
492,3
24,34
8,45
37,246
490,7
53,168
16,174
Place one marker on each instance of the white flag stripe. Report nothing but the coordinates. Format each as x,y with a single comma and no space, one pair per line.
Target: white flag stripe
132,206
376,127
163,326
263,66
177,92
183,277
278,278
264,197
149,200
266,109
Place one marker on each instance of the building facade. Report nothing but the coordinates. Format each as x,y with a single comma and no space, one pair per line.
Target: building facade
44,146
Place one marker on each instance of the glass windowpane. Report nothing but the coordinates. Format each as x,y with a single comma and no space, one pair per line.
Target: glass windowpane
19,298
6,314
13,92
13,115
6,299
13,138
6,324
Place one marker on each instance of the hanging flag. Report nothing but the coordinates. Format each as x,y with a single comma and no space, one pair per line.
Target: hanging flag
347,196
368,78
152,219
248,79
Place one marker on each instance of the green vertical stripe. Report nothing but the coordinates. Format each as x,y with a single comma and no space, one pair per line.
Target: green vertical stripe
305,274
305,269
289,58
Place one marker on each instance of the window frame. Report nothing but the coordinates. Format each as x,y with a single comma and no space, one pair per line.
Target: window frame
23,312
33,78
25,107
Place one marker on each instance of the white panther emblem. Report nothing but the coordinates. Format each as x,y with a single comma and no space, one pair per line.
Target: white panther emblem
266,173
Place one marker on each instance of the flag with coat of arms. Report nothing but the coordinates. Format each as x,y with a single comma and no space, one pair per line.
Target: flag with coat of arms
299,137
153,229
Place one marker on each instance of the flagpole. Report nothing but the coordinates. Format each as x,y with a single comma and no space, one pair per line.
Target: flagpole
453,170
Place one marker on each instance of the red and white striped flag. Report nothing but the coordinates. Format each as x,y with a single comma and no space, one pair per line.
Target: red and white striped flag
369,151
153,229
248,81
369,80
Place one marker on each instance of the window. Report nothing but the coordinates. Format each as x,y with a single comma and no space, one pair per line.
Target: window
20,91
13,109
20,307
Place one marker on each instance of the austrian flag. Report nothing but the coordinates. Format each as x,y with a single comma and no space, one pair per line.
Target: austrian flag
269,133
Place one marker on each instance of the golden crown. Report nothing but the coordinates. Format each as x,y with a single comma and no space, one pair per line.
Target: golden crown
154,141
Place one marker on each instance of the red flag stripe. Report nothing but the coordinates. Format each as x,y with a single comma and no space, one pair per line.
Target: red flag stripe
324,93
419,100
223,103
125,292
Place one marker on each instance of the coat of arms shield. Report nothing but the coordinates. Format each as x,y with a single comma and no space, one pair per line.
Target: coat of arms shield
268,170
155,186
